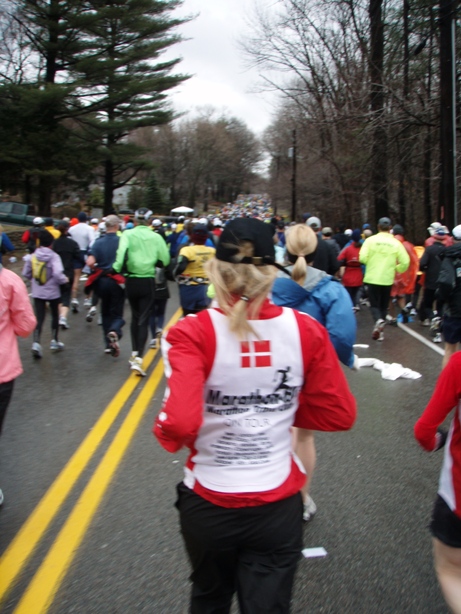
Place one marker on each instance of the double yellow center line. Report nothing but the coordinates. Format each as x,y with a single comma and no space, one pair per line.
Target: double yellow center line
40,592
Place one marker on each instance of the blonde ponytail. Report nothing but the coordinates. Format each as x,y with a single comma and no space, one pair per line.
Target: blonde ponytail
241,289
301,241
299,271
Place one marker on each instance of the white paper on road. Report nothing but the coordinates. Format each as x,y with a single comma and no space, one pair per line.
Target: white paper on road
391,371
311,553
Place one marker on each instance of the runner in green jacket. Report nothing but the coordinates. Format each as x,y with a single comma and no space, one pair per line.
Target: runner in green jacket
138,252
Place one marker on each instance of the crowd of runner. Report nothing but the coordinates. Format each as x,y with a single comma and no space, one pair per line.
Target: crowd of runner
223,260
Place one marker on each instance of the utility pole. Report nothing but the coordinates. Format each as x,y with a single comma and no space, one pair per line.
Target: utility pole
446,209
292,155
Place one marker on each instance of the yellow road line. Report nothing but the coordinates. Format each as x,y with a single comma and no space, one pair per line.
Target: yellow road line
40,592
26,540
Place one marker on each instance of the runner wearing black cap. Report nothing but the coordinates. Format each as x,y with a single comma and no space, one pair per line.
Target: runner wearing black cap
239,377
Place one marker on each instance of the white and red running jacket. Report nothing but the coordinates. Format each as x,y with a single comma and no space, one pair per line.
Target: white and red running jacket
446,396
233,402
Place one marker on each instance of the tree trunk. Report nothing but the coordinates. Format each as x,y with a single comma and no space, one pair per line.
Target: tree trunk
427,162
447,192
379,136
44,196
403,147
108,185
51,52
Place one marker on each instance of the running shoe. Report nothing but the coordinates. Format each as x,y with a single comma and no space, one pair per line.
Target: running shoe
153,343
390,320
74,305
435,326
112,338
378,329
309,509
381,336
404,314
437,338
56,346
136,366
63,323
87,302
426,322
91,313
37,350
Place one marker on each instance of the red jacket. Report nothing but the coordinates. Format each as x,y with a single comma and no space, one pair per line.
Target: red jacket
233,403
353,273
446,396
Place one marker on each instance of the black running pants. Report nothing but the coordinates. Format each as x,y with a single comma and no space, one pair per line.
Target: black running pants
251,550
40,311
6,390
140,292
379,297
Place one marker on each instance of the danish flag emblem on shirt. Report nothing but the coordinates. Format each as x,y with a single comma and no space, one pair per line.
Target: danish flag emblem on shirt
255,354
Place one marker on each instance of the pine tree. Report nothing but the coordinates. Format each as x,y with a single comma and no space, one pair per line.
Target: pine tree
52,29
153,196
123,84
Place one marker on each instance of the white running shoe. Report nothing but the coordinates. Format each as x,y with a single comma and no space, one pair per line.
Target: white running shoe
309,509
91,313
63,323
136,366
37,350
437,338
56,346
74,305
378,329
87,302
112,337
153,343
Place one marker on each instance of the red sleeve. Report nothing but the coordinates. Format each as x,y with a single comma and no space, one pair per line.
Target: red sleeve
343,255
25,236
325,401
446,396
188,351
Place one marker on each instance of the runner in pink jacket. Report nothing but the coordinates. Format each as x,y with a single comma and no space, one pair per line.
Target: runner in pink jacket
16,319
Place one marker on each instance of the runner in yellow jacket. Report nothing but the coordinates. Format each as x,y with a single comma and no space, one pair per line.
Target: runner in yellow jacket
383,256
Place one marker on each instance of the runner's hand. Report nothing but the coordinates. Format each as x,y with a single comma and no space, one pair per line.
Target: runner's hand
440,439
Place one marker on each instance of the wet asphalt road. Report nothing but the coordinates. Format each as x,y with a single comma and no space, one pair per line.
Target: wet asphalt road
373,486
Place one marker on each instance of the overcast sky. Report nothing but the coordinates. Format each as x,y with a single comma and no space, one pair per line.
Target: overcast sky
219,77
